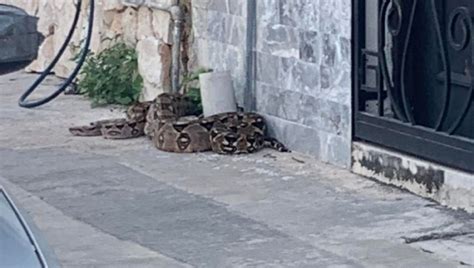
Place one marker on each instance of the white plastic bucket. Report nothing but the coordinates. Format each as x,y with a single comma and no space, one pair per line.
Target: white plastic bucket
217,93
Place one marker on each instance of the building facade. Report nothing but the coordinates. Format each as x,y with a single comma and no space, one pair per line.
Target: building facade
382,87
301,77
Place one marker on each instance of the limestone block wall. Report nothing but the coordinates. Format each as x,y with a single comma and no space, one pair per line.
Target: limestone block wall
303,76
138,23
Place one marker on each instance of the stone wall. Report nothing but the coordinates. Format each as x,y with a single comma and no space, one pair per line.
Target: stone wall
303,57
219,37
304,74
303,80
138,23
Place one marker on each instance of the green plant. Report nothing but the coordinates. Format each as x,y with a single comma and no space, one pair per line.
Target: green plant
111,77
190,87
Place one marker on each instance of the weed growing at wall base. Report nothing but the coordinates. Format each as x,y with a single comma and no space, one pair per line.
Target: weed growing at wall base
111,76
190,87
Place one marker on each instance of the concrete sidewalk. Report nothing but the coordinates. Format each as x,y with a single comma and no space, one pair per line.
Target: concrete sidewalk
103,203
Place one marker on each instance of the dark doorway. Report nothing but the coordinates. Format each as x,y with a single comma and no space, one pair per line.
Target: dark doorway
414,77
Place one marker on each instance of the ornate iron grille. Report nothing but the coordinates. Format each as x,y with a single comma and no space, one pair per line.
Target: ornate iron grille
414,77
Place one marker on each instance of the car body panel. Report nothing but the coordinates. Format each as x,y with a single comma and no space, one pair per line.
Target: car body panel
20,242
19,37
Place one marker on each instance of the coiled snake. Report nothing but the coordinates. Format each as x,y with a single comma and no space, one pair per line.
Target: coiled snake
166,122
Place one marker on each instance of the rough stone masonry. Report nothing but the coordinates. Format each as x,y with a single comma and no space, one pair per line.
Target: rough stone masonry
134,22
302,57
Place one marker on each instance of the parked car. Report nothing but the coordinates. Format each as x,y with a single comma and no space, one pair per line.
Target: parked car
19,38
20,242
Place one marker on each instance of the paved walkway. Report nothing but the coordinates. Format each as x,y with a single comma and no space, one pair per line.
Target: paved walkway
103,203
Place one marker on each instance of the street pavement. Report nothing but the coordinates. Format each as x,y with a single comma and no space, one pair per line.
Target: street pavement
105,203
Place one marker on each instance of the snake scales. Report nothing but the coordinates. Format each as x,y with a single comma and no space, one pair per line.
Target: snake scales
166,122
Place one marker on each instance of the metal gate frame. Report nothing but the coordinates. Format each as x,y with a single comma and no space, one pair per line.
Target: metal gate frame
418,141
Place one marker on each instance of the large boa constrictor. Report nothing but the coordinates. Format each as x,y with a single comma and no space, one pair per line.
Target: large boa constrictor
167,123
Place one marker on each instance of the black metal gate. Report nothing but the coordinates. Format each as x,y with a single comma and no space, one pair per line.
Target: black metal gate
414,77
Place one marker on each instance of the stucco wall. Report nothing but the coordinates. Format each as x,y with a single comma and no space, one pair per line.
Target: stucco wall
303,67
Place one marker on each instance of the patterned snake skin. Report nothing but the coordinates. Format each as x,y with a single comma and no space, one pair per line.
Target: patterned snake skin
166,122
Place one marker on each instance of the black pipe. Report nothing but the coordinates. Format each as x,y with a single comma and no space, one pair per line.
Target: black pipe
35,103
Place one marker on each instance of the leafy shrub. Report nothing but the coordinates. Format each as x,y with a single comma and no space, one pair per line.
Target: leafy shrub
190,87
111,77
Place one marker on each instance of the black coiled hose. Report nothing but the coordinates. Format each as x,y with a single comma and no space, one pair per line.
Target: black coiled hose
85,50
